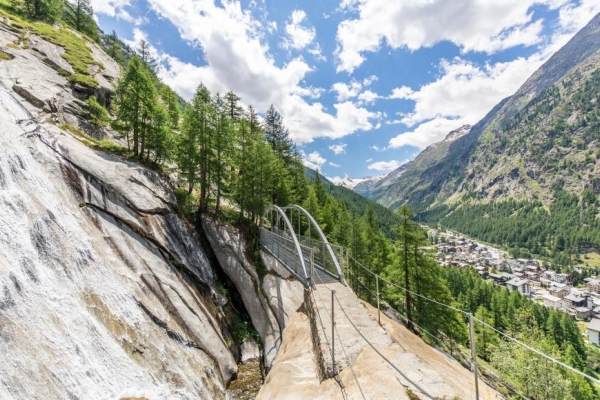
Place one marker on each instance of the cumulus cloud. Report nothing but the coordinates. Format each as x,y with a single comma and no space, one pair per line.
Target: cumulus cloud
385,166
346,91
401,92
338,148
470,24
464,92
113,8
334,165
298,36
368,97
313,160
237,59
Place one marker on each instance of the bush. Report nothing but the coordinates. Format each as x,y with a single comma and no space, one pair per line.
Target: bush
97,114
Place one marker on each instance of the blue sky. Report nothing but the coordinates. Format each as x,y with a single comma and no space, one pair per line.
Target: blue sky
363,85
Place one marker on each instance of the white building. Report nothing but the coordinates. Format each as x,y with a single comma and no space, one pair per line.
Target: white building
594,331
553,301
522,285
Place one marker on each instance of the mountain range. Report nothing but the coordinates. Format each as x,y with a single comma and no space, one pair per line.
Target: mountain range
533,152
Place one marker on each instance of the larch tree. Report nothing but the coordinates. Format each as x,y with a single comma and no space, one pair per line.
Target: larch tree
136,102
203,106
47,10
80,15
188,151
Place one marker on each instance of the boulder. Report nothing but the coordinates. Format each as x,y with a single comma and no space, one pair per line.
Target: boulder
249,350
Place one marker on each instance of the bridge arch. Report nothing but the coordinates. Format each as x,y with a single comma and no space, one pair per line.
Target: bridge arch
268,240
320,234
311,260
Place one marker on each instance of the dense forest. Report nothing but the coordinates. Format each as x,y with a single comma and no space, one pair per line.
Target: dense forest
416,280
566,228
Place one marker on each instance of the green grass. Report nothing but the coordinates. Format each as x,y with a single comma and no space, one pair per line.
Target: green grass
591,259
96,144
77,53
5,56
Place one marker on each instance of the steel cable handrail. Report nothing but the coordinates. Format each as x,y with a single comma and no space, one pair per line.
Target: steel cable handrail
528,347
339,338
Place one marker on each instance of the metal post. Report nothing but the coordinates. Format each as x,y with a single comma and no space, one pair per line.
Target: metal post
378,311
332,332
473,353
312,266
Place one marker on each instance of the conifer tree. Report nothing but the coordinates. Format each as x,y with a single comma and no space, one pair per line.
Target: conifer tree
221,154
169,98
187,153
136,102
47,10
205,117
80,15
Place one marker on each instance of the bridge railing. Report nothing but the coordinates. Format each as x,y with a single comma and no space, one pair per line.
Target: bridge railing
281,245
322,256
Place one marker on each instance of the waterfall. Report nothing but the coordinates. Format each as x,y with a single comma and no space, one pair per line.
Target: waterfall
72,286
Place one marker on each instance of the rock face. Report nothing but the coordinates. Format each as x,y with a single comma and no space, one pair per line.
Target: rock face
104,292
269,303
409,364
37,74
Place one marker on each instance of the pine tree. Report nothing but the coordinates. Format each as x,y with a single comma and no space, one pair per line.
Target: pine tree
278,135
80,15
145,53
188,152
169,97
114,47
205,117
221,155
234,110
136,101
47,10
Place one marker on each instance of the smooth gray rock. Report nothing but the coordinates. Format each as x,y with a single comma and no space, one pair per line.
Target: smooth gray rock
35,81
230,251
249,350
117,301
49,53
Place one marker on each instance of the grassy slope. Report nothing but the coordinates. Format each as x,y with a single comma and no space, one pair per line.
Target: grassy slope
77,53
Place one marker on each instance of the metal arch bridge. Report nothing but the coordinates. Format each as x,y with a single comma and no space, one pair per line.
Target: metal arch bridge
293,236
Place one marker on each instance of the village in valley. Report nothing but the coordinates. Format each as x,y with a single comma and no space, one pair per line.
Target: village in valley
529,277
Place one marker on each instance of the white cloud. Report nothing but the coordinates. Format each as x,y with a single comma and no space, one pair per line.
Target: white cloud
338,148
336,179
313,160
346,91
401,92
112,8
473,25
426,133
334,165
377,148
298,36
464,92
368,97
237,59
385,165
368,160
370,79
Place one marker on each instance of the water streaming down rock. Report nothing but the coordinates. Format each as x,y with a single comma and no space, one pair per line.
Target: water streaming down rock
103,291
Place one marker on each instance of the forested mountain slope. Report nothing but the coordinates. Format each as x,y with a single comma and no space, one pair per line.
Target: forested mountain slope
527,174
